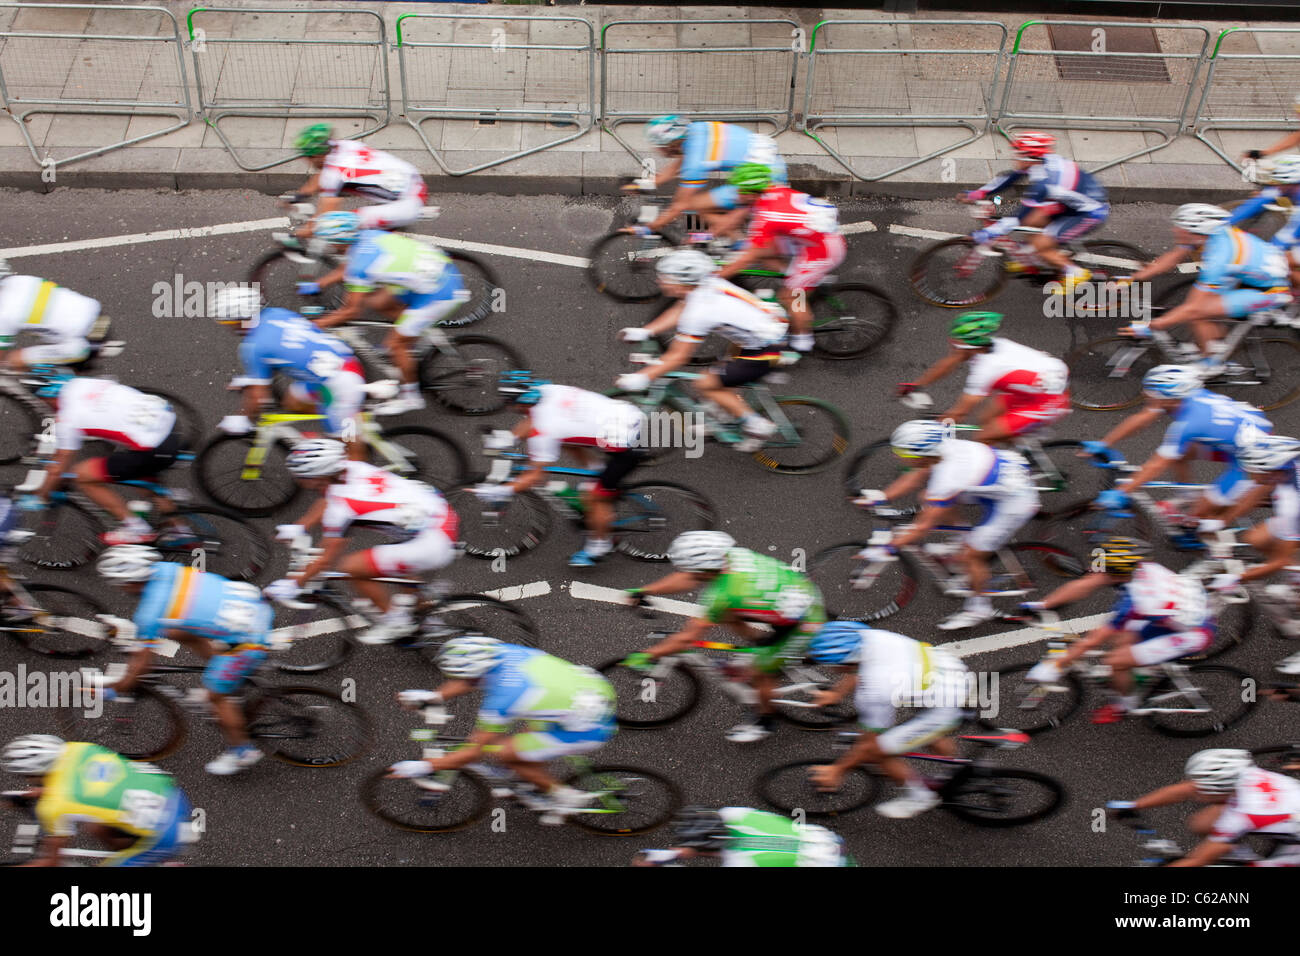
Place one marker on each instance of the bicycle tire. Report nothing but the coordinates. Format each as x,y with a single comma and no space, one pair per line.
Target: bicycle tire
256,710
1124,390
838,442
1246,387
810,718
856,476
482,282
860,784
446,468
635,279
249,557
275,492
1009,678
323,655
486,541
460,613
589,821
1053,787
1163,723
824,570
704,518
83,543
117,732
982,291
278,287
842,337
373,789
616,674
480,375
1114,249
78,652
20,422
1233,624
1279,758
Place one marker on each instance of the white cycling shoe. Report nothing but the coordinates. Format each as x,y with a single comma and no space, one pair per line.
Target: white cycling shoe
385,632
1044,672
967,617
234,760
402,404
750,733
564,802
909,804
1289,665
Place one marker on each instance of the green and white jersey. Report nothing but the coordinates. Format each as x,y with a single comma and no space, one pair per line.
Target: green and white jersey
755,587
532,685
757,838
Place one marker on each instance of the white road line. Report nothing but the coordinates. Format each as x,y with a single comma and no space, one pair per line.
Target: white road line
520,592
595,592
197,232
576,262
915,233
849,228
1027,635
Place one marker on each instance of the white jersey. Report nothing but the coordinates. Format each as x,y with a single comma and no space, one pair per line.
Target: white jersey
1159,594
1015,369
739,316
100,408
575,416
31,304
895,671
368,493
372,172
1264,802
969,471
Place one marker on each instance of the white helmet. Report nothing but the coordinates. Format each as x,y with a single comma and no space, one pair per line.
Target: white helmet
128,562
1171,381
700,550
31,754
686,267
316,458
235,304
5,268
1218,770
665,130
470,656
1267,453
1200,218
918,438
1284,170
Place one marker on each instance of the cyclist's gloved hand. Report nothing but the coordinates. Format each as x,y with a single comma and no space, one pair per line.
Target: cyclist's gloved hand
283,589
1210,525
411,768
418,698
1101,450
1224,582
870,497
499,439
307,288
235,425
918,401
31,503
1138,330
633,381
634,334
1112,499
289,532
981,237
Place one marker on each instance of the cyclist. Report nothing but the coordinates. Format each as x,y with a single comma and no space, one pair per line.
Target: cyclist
1240,274
743,836
1030,386
1270,460
694,151
352,491
1283,176
1205,424
142,427
567,709
1287,142
887,671
706,304
1159,616
1242,799
226,623
346,166
1119,555
327,377
132,808
792,232
1062,199
557,416
404,279
741,588
955,472
63,320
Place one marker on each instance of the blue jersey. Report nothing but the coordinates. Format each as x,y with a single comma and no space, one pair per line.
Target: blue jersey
1213,421
1289,234
178,597
285,340
712,147
1232,257
528,684
417,273
1055,182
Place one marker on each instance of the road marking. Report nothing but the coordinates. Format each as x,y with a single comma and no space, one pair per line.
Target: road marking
488,248
913,233
197,232
520,592
595,592
1027,635
850,228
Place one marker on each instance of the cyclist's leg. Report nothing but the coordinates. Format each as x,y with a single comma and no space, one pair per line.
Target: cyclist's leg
1166,645
599,500
1066,227
95,476
65,350
223,675
392,215
1013,419
808,269
722,383
527,753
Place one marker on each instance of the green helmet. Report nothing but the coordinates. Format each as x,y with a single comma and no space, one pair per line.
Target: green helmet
314,140
751,177
974,330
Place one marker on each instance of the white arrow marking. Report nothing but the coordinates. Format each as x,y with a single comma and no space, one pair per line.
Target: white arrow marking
595,592
1027,635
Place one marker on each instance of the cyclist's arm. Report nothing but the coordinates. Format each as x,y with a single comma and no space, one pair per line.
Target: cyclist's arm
328,204
678,354
1205,853
256,397
1180,792
907,483
840,690
667,319
352,307
670,171
51,847
1281,558
312,186
693,631
942,368
311,517
674,583
1131,425
333,277
1253,206
684,199
1164,262
1152,469
331,551
451,689
964,406
731,223
54,472
930,516
530,478
751,254
1289,141
139,663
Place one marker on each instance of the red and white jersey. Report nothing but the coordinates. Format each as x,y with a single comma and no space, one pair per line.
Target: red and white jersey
100,408
354,165
792,220
575,416
1016,370
1264,802
29,303
367,493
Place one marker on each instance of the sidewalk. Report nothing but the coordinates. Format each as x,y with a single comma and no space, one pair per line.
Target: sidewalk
553,80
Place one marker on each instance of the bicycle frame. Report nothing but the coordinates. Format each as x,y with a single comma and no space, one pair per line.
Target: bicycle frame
273,427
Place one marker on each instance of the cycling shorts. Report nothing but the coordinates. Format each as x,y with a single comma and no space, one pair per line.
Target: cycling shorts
547,740
787,642
226,673
428,308
128,465
749,366
813,263
64,351
339,398
1003,517
1229,486
1075,225
1024,416
1165,644
1244,300
618,465
926,727
393,215
428,551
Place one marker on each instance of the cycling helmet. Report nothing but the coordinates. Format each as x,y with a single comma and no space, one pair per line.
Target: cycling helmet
1283,170
1122,554
313,140
974,330
1218,770
1171,381
235,304
470,656
316,458
700,828
686,267
919,438
31,754
127,562
1267,453
838,642
1033,143
700,550
666,130
1200,218
521,386
340,227
751,177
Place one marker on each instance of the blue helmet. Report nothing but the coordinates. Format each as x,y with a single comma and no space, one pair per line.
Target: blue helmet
54,384
838,642
666,130
521,387
340,227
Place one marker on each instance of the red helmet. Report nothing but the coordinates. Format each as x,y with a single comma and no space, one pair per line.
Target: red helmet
1033,144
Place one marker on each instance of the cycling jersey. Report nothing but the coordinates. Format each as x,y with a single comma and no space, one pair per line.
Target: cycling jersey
285,340
971,471
99,408
717,306
575,416
758,838
1157,596
53,312
182,598
1286,237
1233,258
712,147
792,220
371,172
370,494
895,671
1263,802
1056,184
1285,521
755,587
417,273
1214,421
1016,371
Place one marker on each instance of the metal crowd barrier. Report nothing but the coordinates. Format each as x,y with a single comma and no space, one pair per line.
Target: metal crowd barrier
1087,86
126,62
902,73
1250,87
486,69
273,71
749,79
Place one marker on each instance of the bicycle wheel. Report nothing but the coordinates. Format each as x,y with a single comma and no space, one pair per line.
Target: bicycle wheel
276,276
821,436
223,541
1072,483
459,614
463,375
952,275
1003,797
653,699
222,472
66,536
67,625
436,804
1030,707
423,454
1044,565
629,800
147,727
1111,257
648,515
481,281
18,428
1218,688
1264,372
1106,374
850,319
875,466
834,570
787,788
1279,758
1232,625
800,683
622,266
307,726
320,637
521,524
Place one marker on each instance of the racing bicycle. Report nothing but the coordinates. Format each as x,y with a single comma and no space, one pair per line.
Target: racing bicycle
48,619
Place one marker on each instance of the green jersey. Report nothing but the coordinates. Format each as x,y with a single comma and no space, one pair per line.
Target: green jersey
92,783
755,587
757,838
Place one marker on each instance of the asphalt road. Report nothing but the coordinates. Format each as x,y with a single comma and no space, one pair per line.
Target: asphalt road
282,815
